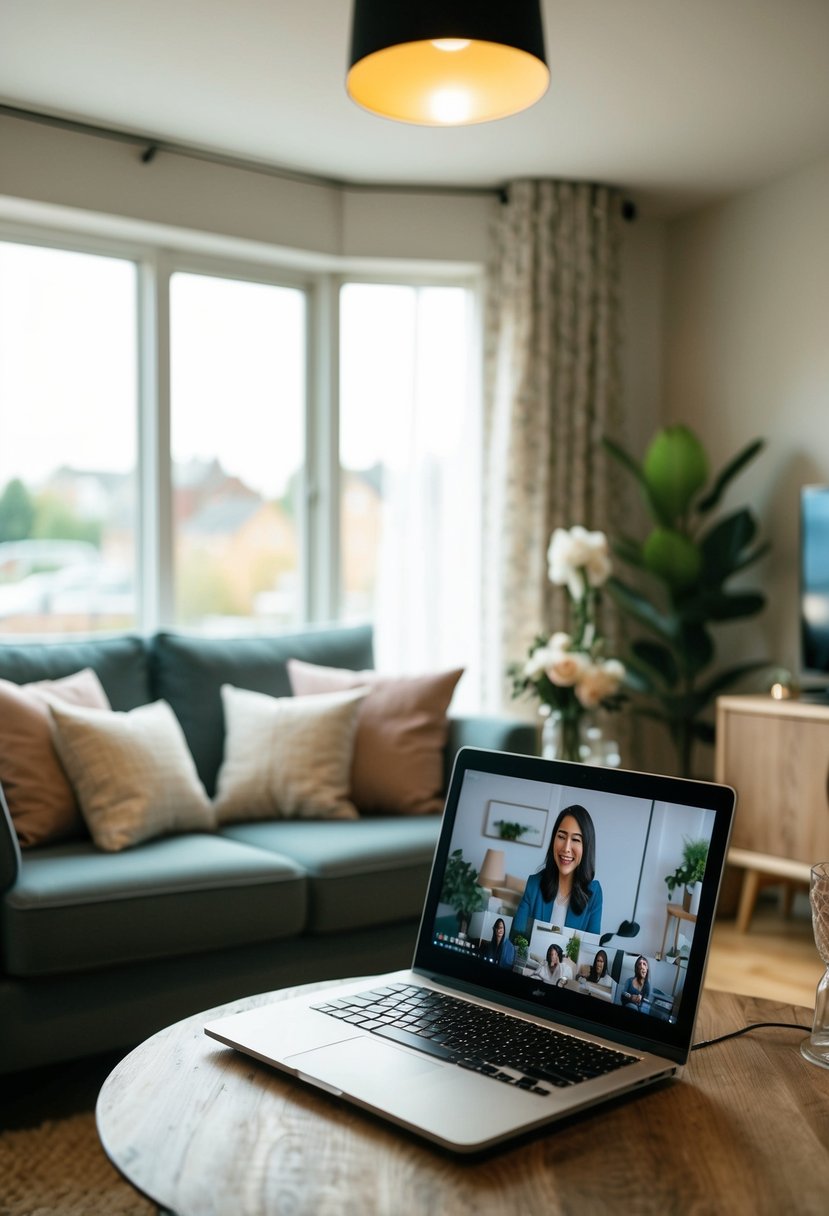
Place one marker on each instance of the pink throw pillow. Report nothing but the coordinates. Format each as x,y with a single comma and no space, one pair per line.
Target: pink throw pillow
41,801
397,767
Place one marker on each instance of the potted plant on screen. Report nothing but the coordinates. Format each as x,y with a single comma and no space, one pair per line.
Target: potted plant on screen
687,877
461,889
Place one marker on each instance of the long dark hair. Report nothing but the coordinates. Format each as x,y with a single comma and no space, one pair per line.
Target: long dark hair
494,943
594,977
646,984
586,869
558,951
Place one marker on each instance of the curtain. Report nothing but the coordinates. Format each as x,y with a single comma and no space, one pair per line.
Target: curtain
550,393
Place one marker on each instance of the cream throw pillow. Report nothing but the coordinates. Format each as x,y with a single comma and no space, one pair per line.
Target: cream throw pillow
287,757
132,773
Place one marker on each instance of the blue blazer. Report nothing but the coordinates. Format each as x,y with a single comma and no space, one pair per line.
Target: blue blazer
507,954
534,906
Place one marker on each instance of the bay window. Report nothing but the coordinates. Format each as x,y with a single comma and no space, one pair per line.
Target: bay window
317,452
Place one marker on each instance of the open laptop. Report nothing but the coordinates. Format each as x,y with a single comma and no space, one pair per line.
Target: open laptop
509,1018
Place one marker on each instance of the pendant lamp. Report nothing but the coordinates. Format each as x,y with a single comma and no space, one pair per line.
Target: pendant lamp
447,62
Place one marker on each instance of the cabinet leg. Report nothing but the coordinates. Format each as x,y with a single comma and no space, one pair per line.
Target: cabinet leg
748,898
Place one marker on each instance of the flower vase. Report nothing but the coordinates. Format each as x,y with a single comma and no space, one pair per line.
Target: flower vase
561,736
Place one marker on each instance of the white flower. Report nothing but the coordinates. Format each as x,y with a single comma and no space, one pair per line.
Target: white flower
575,555
567,668
538,662
599,680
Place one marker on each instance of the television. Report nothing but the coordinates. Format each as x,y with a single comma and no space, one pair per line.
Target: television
814,587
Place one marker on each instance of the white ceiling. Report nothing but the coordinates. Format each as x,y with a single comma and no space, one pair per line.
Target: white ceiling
677,101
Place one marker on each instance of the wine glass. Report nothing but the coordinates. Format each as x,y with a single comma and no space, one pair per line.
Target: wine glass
816,1047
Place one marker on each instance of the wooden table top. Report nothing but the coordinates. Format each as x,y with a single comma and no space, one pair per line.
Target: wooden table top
205,1131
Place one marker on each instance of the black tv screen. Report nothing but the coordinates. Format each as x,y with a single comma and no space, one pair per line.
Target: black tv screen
814,580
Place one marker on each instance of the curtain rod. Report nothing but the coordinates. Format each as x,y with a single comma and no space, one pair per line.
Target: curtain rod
152,146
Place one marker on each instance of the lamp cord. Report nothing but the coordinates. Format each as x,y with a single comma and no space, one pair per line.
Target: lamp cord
745,1029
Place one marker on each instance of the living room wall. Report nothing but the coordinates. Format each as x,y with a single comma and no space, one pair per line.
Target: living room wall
746,353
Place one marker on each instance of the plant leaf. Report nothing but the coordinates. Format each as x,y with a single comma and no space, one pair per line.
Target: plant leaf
725,679
727,475
642,610
724,544
754,556
658,659
628,550
718,605
625,459
695,647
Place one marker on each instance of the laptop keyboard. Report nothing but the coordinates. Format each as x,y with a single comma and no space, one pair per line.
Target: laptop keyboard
508,1049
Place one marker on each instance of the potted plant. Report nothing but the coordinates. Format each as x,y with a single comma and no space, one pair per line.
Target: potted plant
685,566
689,872
461,889
572,949
522,947
511,831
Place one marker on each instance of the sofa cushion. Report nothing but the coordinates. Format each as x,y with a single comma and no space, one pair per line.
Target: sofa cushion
74,907
287,757
121,664
189,672
132,773
41,801
401,734
369,872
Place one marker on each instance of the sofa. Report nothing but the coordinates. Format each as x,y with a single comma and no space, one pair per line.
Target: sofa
99,948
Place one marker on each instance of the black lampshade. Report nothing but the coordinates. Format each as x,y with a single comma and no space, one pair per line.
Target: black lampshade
447,62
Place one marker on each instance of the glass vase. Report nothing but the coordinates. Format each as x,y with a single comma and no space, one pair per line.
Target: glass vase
816,1048
560,735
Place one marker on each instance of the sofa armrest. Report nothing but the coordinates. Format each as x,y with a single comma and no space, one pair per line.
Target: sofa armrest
495,734
9,848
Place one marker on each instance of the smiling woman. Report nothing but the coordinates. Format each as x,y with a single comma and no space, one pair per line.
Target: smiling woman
565,892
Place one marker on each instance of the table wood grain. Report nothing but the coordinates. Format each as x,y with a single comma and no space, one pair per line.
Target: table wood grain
205,1131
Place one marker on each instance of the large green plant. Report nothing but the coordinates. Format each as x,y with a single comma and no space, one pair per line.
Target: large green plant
684,565
461,889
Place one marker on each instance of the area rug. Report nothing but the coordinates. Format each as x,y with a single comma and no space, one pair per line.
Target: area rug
60,1169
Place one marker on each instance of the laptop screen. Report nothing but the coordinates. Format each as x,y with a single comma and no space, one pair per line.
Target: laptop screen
583,892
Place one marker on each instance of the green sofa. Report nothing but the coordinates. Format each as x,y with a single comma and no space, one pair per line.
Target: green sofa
99,950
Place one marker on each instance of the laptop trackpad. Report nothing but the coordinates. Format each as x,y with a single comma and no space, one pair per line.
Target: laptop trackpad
365,1067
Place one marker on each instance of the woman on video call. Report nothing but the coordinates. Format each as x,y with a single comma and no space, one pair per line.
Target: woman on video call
564,892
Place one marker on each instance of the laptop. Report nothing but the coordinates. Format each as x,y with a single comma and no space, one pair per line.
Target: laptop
522,1007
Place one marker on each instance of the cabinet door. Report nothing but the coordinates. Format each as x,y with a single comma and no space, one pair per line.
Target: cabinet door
780,768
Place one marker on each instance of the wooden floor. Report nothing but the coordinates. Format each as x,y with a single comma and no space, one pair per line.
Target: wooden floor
776,958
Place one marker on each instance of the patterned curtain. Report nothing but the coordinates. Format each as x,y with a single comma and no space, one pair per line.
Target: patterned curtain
551,393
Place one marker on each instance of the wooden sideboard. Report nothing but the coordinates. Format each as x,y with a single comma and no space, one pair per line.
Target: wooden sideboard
776,755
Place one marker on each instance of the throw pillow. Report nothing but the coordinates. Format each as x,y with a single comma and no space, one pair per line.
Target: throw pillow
41,801
401,734
132,772
286,757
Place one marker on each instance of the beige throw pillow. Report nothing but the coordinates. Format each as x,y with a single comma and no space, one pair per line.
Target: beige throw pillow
401,733
132,772
41,801
286,757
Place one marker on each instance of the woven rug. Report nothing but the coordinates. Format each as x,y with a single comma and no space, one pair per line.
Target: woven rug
60,1169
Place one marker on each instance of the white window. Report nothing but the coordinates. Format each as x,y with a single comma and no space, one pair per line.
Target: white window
68,441
231,525
237,420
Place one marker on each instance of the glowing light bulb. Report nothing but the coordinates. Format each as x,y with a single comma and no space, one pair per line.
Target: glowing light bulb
450,44
451,105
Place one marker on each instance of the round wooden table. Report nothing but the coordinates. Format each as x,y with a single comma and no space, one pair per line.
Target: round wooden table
202,1130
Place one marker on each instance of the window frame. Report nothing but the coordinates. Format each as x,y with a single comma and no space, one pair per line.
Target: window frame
321,279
